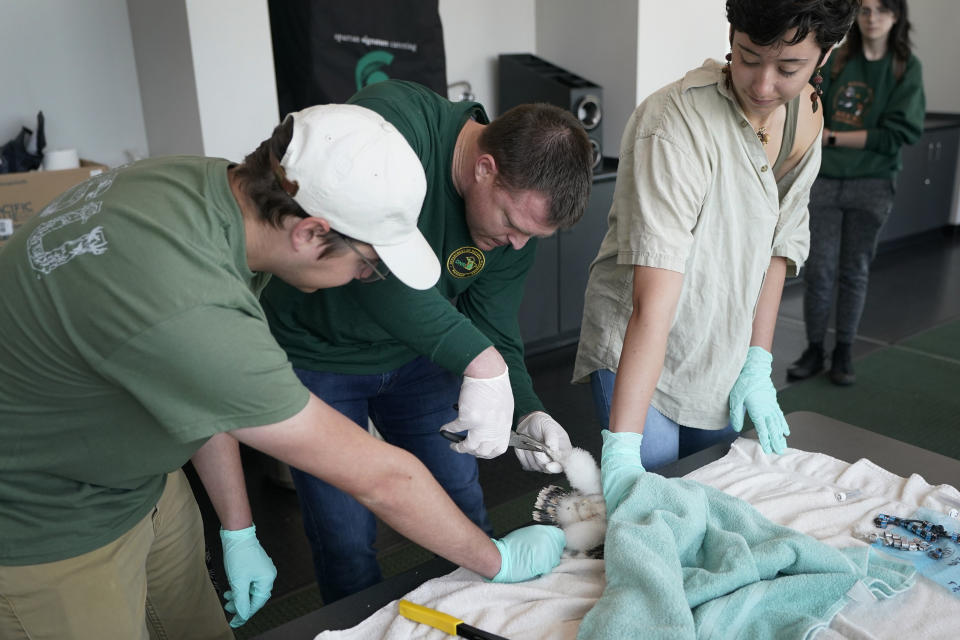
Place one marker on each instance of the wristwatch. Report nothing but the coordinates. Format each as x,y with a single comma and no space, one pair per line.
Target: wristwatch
831,139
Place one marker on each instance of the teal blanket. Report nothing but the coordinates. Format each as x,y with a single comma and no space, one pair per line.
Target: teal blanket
684,560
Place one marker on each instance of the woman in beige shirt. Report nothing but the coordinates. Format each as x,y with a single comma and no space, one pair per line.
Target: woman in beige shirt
709,216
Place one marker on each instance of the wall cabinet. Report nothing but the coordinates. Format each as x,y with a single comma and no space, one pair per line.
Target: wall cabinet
552,305
925,186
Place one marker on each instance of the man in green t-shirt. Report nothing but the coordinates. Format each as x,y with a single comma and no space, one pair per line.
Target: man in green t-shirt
132,340
404,358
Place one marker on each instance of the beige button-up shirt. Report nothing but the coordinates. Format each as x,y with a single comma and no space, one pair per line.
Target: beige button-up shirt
694,194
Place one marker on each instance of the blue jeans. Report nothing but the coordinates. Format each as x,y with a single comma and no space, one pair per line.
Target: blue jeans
408,406
664,441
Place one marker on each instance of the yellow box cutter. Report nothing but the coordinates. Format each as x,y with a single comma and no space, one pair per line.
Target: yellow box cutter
444,622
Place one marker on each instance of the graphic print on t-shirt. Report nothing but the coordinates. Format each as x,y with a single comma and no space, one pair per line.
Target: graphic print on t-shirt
75,206
851,104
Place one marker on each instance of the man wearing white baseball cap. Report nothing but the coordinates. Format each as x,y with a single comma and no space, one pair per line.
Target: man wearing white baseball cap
354,168
403,358
134,341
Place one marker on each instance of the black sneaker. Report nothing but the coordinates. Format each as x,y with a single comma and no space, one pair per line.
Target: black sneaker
809,364
841,365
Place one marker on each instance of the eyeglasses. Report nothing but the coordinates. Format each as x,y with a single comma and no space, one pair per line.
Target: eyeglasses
376,273
881,10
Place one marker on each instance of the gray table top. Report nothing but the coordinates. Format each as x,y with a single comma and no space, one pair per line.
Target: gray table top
808,432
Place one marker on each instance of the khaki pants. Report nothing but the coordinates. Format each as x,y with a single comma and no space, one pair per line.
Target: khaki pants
152,583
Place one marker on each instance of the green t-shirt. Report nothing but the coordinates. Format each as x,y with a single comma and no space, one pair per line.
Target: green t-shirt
130,333
867,95
373,328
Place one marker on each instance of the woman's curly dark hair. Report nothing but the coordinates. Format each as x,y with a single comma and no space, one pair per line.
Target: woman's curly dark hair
766,21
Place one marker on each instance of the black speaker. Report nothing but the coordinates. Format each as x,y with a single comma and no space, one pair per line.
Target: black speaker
526,78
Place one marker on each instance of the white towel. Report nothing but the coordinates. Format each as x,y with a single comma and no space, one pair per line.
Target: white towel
833,501
797,489
550,607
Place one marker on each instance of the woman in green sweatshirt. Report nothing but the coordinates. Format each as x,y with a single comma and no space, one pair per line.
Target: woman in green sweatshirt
873,95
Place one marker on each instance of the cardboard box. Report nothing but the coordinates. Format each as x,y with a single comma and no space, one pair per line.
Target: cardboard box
25,194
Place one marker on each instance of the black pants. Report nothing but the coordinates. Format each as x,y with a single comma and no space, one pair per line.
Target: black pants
845,220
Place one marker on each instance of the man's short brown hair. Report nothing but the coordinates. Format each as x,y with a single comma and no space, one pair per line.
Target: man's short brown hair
543,148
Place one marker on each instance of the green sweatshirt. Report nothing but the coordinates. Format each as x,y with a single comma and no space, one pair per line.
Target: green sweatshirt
866,95
377,327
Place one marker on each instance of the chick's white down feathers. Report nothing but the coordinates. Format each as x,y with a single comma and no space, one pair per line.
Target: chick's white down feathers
582,472
580,512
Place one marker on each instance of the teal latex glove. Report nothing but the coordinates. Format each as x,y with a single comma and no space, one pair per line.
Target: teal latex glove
529,552
250,572
619,465
754,390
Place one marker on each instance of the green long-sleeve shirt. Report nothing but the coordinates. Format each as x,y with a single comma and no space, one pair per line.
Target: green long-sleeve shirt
373,328
867,95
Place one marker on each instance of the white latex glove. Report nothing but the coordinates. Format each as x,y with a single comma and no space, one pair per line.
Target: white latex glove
542,428
486,414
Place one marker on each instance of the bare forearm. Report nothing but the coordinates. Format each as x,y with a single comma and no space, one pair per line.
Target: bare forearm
389,481
218,464
765,320
856,139
414,505
655,296
641,361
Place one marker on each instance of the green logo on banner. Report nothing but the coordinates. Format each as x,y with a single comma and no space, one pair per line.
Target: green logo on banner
370,68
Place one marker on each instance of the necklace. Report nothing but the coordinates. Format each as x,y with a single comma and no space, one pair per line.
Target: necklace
763,136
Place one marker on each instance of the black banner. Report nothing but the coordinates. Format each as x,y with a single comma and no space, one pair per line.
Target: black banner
326,50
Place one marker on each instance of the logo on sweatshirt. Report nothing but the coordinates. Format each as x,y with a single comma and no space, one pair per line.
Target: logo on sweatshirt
852,103
465,262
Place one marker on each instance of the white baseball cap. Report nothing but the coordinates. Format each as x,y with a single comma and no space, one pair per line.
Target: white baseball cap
353,168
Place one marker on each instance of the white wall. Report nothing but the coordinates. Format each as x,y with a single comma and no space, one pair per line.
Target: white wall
206,75
936,23
597,41
628,47
73,60
475,33
233,64
631,48
676,36
167,84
